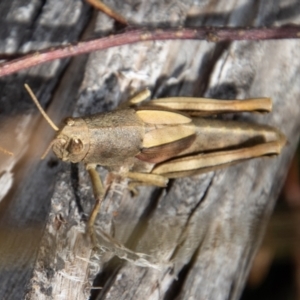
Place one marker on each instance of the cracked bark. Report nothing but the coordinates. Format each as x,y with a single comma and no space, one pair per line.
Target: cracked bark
209,225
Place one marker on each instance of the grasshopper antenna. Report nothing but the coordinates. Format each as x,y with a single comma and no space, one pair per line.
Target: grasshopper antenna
35,100
47,118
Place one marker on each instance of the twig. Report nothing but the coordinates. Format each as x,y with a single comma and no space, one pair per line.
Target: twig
107,10
211,34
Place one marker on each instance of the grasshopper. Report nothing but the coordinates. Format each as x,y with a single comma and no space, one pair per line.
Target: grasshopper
166,138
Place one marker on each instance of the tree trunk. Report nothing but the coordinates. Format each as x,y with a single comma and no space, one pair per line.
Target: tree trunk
194,240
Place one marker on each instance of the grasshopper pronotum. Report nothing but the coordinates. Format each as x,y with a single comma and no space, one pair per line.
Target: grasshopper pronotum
167,138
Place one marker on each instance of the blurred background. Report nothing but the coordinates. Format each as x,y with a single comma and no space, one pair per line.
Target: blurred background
275,273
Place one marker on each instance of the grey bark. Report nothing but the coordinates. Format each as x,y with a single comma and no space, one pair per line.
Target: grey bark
201,233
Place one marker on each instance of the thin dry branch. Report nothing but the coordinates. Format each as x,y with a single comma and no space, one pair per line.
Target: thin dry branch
211,34
107,10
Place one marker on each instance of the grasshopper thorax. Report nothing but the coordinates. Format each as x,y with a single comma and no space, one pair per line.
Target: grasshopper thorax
72,141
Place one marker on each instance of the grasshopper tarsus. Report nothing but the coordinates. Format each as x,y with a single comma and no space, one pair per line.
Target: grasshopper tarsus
6,152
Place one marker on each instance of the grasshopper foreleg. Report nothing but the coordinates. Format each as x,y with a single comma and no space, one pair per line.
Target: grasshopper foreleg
99,193
140,97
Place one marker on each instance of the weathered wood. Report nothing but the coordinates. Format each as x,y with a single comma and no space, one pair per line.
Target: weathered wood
23,212
208,226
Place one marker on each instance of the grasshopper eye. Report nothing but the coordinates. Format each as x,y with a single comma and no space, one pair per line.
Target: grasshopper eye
69,121
75,146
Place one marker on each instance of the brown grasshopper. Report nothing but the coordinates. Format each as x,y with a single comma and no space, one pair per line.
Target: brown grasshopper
167,138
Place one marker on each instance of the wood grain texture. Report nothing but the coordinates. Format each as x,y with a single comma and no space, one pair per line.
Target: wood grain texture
208,226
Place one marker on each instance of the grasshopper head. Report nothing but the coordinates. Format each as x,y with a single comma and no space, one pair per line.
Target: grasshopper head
72,141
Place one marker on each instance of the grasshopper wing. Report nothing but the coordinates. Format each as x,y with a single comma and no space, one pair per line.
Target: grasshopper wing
167,134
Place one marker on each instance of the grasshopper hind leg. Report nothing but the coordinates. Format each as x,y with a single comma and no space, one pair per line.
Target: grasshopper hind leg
200,163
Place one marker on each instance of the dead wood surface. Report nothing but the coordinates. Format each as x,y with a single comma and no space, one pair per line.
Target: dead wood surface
201,232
